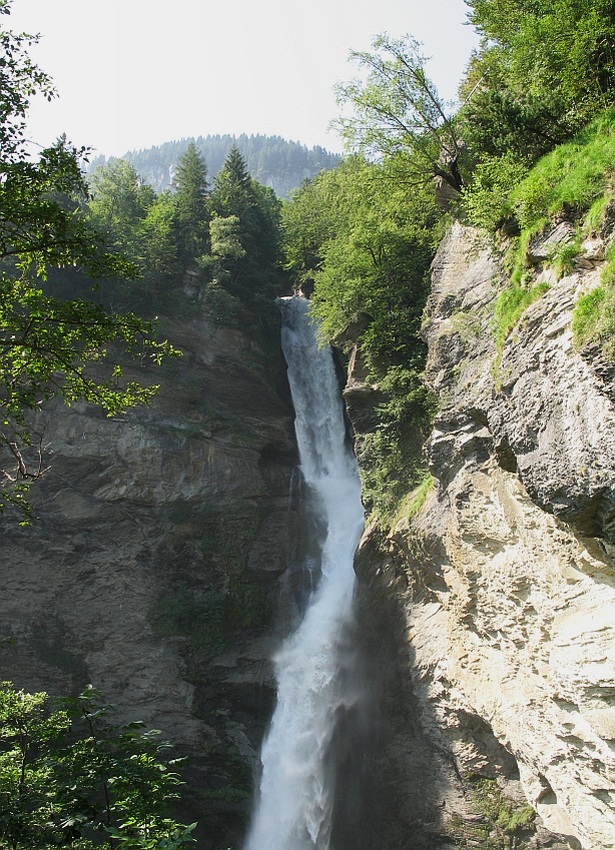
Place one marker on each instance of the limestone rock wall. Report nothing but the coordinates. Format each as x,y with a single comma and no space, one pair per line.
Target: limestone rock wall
152,565
504,584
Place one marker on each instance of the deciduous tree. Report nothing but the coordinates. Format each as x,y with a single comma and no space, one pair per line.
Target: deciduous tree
119,204
46,344
544,69
71,778
397,109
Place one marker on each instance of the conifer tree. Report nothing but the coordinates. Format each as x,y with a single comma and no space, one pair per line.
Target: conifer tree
255,211
233,187
192,213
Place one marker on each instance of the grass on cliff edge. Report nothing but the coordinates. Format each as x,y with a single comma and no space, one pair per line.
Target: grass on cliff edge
593,320
574,182
568,180
510,306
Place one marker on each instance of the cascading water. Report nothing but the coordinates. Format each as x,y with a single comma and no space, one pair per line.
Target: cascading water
295,798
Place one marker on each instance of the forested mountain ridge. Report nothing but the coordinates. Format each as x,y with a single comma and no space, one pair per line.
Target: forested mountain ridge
271,160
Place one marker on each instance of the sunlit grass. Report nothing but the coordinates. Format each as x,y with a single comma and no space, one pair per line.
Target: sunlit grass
575,182
510,306
570,179
593,320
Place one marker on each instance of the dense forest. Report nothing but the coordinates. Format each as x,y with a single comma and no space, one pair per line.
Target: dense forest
532,143
273,161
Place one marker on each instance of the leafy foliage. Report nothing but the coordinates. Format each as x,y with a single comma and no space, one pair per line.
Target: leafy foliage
537,115
486,201
213,248
19,81
366,246
397,110
139,225
573,181
120,201
363,240
70,778
543,71
562,51
47,345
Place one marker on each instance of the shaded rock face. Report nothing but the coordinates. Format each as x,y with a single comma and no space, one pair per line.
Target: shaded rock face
156,554
503,586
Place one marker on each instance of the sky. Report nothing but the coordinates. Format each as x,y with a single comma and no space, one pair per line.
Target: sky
135,73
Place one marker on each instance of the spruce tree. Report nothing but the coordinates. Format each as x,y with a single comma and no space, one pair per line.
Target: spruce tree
257,229
192,213
233,187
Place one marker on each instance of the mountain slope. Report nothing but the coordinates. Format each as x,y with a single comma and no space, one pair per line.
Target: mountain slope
272,160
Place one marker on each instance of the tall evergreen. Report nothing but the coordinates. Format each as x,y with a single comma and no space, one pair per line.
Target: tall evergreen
233,187
255,211
191,205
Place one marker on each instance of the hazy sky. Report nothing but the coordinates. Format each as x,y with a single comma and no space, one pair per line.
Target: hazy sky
135,73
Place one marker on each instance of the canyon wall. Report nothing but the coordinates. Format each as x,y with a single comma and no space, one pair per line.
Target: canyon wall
152,567
160,568
496,598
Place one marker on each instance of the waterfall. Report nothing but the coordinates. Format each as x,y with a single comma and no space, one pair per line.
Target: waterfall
295,798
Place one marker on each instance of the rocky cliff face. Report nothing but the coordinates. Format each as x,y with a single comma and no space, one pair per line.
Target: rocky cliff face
487,618
157,548
497,599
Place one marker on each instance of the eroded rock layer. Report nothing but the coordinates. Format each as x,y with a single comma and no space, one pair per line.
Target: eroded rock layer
503,585
151,569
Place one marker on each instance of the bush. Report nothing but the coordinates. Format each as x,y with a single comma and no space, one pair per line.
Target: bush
486,201
71,778
223,308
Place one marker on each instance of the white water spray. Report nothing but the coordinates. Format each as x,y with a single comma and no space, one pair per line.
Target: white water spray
295,799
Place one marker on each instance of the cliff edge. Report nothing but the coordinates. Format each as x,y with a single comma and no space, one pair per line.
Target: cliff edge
504,580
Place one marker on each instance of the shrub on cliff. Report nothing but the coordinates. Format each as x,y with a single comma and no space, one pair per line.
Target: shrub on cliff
542,72
572,183
71,778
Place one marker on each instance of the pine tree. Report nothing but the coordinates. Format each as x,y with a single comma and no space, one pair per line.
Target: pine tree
255,211
233,187
192,212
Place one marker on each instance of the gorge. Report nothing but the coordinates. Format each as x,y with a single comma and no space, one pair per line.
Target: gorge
436,674
163,569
